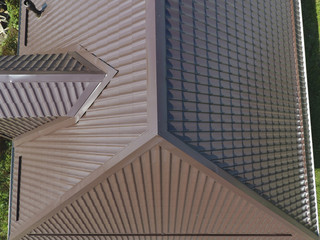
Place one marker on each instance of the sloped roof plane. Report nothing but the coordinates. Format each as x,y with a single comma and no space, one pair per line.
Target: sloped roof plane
156,201
191,138
237,103
38,88
56,160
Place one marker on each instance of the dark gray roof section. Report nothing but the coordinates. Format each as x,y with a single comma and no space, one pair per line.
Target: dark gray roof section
233,95
37,88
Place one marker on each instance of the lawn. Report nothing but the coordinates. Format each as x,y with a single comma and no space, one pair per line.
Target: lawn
311,22
8,47
5,156
318,184
10,44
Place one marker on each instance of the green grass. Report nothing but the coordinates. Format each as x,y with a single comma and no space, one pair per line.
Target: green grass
7,47
5,161
318,184
10,44
310,18
311,22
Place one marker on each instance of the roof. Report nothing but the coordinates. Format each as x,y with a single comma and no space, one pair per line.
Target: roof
140,159
38,88
234,95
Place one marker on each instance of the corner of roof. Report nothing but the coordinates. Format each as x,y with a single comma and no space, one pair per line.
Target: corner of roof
146,141
211,168
83,104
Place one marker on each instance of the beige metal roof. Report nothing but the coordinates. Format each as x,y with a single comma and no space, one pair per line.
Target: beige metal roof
36,89
110,173
11,127
46,63
159,190
117,117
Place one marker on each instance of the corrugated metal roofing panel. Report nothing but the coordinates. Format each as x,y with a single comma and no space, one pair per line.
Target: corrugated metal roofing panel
27,105
159,193
46,63
44,86
13,127
154,238
38,99
233,94
116,118
139,197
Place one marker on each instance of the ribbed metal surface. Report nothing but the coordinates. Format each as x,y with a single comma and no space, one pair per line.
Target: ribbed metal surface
27,105
23,96
157,193
157,237
306,114
233,94
13,127
36,99
114,32
62,63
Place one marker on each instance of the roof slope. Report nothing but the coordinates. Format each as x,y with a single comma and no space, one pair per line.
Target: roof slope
116,118
161,191
234,95
111,173
36,89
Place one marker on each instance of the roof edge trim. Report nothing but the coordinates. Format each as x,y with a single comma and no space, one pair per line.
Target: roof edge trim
88,99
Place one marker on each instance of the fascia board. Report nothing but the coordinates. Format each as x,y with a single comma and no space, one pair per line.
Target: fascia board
236,185
129,154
